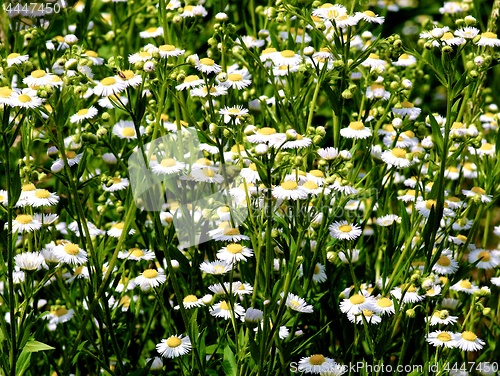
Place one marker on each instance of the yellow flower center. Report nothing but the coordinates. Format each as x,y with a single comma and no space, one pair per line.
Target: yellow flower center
478,191
469,336
398,153
373,56
444,261
167,48
489,35
28,187
317,359
224,209
224,306
128,74
266,131
234,77
144,54
407,105
24,98
289,185
190,299
42,193
234,248
137,252
173,342
429,204
60,312
466,284
310,185
5,92
287,53
168,162
269,50
13,55
485,255
91,53
151,29
357,299
39,73
207,61
82,112
108,81
116,180
128,132
356,125
345,228
191,78
369,13
384,302
444,337
24,219
317,173
150,273
231,231
119,226
208,172
71,249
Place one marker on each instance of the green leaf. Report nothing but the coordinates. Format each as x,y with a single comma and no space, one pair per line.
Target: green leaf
229,362
23,363
436,132
35,346
15,187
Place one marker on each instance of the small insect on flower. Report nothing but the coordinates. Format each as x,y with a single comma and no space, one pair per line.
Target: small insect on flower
442,317
345,231
174,346
150,278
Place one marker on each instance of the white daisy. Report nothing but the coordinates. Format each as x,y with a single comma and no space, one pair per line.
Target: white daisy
174,346
42,197
93,230
109,86
234,252
130,78
225,310
117,228
479,193
16,59
234,113
207,65
168,166
446,264
296,303
116,184
396,157
370,17
38,78
405,60
357,303
487,259
289,190
442,317
190,82
237,81
27,98
488,39
126,129
465,286
30,261
150,278
137,254
328,153
407,109
384,306
216,267
25,223
70,253
168,50
468,341
407,294
151,32
344,231
316,363
441,338
83,114
225,232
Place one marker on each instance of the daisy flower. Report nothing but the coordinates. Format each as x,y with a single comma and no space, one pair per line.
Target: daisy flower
267,135
16,59
174,346
219,267
168,166
94,57
468,341
488,39
137,254
485,259
204,91
345,231
296,303
298,142
370,316
234,252
236,81
38,78
168,50
151,32
83,114
150,278
110,86
349,256
405,60
194,11
227,233
441,338
116,184
253,315
125,129
329,153
117,228
479,193
407,109
374,61
141,56
192,301
25,223
207,65
58,315
190,82
388,220
4,197
465,286
233,113
70,253
370,17
310,187
441,317
357,303
25,99
468,32
289,190
30,261
319,274
396,157
130,78
93,230
384,306
42,197
207,175
316,363
446,264
6,95
377,91
411,294
224,310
